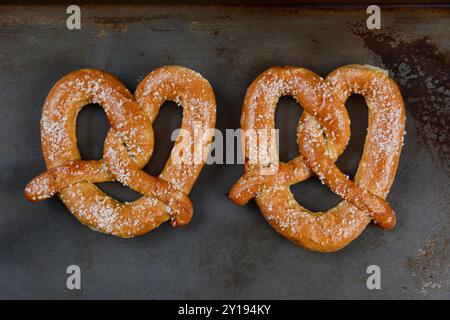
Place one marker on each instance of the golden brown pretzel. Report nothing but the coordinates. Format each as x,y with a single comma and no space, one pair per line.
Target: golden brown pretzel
128,147
323,133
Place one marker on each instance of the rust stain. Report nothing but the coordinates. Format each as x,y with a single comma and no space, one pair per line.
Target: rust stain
422,71
102,33
430,266
114,20
122,23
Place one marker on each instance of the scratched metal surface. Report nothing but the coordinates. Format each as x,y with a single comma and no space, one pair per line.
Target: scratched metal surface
226,251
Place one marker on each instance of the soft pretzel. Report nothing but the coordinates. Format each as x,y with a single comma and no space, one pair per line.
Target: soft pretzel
322,135
128,147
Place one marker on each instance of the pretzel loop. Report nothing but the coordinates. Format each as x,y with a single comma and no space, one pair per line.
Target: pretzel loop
323,133
128,147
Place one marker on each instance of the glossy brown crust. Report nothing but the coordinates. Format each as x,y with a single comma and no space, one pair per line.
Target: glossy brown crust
323,133
128,147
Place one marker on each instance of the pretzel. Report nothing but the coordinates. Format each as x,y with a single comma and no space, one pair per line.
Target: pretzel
323,134
128,147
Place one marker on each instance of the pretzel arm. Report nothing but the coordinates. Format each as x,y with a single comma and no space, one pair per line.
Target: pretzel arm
382,147
57,178
127,172
252,183
312,147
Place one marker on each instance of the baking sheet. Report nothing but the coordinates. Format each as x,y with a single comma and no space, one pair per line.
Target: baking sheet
226,251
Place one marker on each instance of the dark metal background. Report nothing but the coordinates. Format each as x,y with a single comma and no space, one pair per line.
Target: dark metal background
226,251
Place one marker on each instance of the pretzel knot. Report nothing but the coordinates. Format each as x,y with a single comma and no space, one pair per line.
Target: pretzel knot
128,147
322,135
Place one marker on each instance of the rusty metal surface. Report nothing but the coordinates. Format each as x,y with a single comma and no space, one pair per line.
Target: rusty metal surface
227,251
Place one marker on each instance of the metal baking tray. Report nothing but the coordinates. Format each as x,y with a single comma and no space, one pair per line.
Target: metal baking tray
226,251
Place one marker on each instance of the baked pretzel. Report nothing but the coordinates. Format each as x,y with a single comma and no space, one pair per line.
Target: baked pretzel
128,147
322,135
